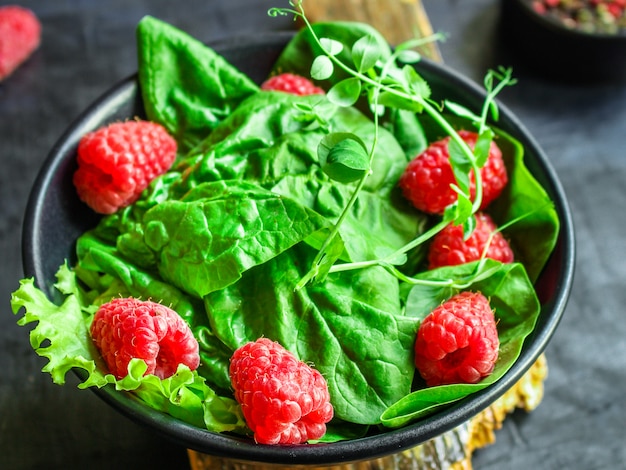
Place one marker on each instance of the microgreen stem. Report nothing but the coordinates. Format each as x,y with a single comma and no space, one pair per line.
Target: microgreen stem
353,198
396,254
430,110
505,79
426,282
376,83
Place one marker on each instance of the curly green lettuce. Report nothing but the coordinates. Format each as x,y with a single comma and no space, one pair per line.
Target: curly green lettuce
61,334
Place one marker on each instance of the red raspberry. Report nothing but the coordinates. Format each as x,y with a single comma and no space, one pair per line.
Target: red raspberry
539,7
458,341
615,10
117,162
284,401
427,178
127,328
20,35
291,83
449,249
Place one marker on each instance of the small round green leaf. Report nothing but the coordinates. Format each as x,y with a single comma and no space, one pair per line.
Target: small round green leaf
321,68
331,46
365,53
343,157
346,92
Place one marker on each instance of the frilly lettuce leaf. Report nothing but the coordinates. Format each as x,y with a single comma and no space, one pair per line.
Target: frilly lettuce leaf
61,335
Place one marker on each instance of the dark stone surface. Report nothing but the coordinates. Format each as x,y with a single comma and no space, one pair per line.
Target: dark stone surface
88,45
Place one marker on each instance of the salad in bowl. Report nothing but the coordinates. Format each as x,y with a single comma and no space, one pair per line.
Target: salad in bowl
238,245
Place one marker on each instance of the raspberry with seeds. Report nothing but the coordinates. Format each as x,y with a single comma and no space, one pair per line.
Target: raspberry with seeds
448,248
127,328
458,341
284,400
20,35
427,178
117,162
291,83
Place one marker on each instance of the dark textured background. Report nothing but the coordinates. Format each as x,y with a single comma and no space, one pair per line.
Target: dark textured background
88,45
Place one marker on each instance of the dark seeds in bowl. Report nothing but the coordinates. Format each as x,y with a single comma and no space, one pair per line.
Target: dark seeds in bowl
557,49
586,16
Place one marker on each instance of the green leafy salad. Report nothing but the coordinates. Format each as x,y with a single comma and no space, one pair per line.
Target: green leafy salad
282,218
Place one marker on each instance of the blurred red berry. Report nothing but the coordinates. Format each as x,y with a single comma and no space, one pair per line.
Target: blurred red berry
291,83
20,35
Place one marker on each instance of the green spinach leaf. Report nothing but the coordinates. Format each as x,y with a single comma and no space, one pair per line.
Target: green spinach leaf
265,139
206,240
348,328
186,86
375,227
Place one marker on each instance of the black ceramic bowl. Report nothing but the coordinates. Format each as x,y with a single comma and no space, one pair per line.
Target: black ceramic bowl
55,218
556,51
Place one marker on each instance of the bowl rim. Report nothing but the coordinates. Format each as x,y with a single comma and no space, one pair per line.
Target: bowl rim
388,442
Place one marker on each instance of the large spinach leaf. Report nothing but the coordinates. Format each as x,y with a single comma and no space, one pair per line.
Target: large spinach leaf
96,255
186,86
267,140
350,328
375,227
206,240
535,232
269,136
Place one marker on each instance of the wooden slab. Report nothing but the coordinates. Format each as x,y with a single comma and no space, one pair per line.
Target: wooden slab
397,20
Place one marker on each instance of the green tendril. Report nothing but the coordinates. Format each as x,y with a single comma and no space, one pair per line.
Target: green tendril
381,82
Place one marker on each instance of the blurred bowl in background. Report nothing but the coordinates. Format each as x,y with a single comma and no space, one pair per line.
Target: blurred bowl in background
555,50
